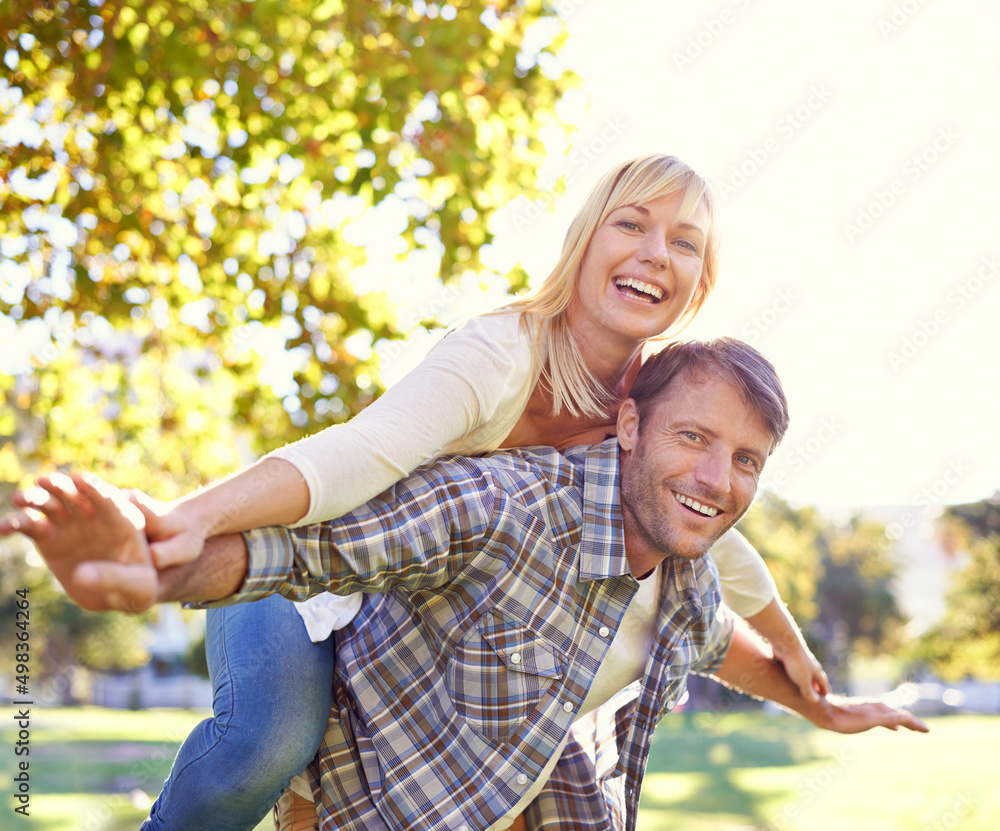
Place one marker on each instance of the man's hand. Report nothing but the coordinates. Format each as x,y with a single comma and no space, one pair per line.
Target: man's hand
855,715
749,667
83,528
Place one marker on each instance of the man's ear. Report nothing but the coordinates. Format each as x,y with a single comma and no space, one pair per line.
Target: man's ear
628,425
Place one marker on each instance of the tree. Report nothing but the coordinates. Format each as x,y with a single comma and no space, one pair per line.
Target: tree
966,644
179,183
837,591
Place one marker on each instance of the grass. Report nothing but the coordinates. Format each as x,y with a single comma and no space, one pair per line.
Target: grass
778,773
94,769
97,769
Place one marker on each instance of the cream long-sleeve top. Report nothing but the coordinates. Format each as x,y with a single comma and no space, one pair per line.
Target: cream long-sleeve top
464,398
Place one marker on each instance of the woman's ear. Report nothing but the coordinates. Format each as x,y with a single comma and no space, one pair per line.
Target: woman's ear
628,425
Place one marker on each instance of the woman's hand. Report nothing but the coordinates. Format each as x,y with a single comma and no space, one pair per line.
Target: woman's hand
176,531
269,492
789,647
803,669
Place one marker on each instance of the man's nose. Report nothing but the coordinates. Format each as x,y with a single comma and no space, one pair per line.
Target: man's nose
713,471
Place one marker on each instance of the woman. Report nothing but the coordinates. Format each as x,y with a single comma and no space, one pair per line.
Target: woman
639,260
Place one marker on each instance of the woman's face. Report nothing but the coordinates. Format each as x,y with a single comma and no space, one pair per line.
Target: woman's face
639,272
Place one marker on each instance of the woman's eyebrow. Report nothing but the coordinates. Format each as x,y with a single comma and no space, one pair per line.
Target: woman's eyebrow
691,226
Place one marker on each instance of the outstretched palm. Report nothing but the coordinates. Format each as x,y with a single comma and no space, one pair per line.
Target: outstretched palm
79,522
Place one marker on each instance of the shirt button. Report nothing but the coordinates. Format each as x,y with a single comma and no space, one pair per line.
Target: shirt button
568,707
515,658
670,704
464,828
604,631
522,779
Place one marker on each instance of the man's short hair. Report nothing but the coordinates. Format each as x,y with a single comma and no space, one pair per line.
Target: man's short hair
730,358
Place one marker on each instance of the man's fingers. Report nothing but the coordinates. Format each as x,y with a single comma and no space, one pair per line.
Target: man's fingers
911,722
103,585
63,491
30,523
107,501
38,500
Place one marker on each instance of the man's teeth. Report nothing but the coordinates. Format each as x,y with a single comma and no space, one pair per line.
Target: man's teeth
643,288
704,510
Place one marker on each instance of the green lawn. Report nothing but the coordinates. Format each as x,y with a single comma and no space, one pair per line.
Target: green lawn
96,769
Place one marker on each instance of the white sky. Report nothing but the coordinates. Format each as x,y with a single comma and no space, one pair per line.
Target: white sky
833,101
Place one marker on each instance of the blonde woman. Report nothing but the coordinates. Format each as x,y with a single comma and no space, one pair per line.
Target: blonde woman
638,262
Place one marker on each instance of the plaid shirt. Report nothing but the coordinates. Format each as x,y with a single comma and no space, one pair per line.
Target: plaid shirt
495,586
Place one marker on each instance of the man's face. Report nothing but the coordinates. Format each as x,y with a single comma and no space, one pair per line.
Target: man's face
691,471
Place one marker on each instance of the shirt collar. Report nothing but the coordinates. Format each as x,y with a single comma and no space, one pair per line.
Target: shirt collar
602,541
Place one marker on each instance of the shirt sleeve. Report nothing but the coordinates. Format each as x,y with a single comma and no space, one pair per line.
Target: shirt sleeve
417,534
720,636
475,377
746,584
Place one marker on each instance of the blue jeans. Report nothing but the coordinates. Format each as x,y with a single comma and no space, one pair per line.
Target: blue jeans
271,700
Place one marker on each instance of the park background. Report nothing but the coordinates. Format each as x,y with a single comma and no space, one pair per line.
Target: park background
226,226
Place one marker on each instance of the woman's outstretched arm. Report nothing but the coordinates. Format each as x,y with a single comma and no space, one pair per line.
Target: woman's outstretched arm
269,492
748,589
464,397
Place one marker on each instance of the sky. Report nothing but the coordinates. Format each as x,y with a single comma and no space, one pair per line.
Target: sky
854,149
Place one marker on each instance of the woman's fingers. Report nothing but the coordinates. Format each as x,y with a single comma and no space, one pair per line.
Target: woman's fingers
181,548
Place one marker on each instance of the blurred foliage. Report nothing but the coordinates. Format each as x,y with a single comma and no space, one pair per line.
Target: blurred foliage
196,658
178,180
966,643
835,579
178,183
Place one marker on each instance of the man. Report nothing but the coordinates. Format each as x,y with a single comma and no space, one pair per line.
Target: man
513,603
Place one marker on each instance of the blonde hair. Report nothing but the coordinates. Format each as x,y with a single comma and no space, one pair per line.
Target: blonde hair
555,351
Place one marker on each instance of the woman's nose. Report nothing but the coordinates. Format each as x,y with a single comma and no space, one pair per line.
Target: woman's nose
655,253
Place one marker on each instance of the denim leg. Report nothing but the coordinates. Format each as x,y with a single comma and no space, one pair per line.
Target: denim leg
271,702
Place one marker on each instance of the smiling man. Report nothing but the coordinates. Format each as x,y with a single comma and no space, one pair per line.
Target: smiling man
529,616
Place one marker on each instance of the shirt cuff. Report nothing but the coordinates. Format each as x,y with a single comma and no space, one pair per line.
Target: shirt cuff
270,557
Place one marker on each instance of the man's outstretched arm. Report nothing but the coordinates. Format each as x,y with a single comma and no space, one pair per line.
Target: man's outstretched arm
216,574
93,540
748,667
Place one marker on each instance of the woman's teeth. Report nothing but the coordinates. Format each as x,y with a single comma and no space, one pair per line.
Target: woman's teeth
640,290
704,510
